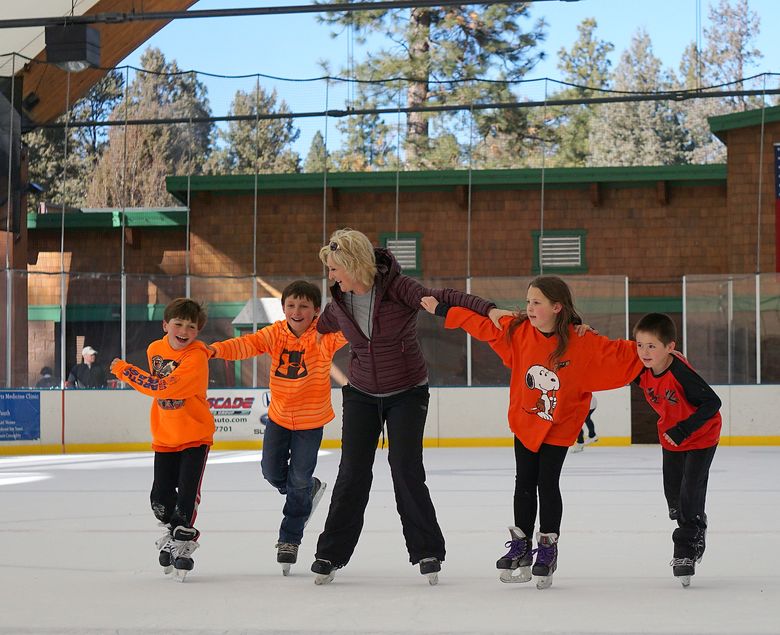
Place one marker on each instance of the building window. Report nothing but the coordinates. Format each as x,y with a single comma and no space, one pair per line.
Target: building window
559,251
405,246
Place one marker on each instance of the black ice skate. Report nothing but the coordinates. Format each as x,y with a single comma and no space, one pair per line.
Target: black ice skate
684,561
515,565
430,567
164,545
546,559
184,545
325,571
317,490
286,555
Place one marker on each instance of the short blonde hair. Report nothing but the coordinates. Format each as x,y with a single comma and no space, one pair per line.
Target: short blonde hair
352,250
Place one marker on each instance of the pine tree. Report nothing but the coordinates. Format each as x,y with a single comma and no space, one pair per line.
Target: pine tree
267,148
318,156
365,141
641,132
131,171
442,50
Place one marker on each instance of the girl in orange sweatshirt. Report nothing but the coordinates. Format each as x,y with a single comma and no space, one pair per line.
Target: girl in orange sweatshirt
553,375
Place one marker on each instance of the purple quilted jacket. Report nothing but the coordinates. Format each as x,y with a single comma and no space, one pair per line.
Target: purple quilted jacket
392,359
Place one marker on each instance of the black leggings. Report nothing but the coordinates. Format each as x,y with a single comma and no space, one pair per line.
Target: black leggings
538,472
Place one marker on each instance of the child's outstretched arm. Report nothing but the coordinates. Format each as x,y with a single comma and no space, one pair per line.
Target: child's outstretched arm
245,346
186,380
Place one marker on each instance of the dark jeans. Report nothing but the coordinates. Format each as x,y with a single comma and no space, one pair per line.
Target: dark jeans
288,461
685,483
538,471
364,418
176,489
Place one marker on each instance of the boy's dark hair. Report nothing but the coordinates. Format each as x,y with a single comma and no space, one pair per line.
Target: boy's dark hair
658,324
303,289
186,309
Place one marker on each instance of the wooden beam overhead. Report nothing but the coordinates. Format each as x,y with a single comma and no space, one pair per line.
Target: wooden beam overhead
117,41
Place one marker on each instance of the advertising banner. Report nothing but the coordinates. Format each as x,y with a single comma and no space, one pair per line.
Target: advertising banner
239,413
20,415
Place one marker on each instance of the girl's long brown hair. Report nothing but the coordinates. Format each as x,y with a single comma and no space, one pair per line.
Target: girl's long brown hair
555,290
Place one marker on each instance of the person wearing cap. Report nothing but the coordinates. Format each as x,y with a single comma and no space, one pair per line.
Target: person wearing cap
88,374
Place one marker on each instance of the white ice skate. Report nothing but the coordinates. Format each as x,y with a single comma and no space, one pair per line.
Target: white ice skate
184,546
164,545
430,568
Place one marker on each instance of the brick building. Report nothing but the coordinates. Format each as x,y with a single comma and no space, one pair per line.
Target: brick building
652,224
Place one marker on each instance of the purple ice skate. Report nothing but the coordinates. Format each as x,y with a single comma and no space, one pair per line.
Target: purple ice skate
546,559
515,565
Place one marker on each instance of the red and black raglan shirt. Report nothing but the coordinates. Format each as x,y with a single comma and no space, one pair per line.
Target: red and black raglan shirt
688,408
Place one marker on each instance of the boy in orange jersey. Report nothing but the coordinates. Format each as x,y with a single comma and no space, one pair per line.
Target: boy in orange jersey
182,427
300,406
689,424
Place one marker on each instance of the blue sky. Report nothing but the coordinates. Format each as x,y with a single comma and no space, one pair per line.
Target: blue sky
292,46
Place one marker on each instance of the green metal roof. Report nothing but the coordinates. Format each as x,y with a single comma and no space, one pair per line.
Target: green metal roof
744,119
109,218
438,180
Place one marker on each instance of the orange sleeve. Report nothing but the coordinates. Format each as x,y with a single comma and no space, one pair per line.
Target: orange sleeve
611,363
331,342
483,329
246,346
187,380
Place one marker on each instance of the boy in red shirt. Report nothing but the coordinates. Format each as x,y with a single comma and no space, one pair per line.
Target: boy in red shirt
182,427
689,424
300,406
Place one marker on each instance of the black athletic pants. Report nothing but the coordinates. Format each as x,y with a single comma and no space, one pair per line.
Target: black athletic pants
538,472
363,420
685,483
176,489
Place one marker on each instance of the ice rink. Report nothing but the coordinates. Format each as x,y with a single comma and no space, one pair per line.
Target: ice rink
77,551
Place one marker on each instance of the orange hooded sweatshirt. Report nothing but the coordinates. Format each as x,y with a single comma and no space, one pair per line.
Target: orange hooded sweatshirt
548,404
300,371
180,416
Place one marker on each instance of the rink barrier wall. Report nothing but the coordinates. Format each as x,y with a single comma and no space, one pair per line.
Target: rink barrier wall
118,420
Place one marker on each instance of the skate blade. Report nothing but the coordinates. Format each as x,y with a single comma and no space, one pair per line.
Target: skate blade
521,574
685,580
324,579
168,570
544,582
181,575
433,578
285,569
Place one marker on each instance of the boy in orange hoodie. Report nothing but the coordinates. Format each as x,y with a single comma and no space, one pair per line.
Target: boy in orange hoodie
300,406
182,427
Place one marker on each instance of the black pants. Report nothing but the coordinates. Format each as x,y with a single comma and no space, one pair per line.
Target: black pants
364,418
591,428
685,483
538,472
176,489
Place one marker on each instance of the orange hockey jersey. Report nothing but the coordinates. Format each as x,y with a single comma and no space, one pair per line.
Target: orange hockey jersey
549,404
300,371
180,416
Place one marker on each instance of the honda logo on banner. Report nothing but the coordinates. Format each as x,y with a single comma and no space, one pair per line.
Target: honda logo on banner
777,207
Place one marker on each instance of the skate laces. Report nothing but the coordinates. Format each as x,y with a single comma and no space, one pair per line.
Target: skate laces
287,547
517,548
184,549
164,543
682,562
545,554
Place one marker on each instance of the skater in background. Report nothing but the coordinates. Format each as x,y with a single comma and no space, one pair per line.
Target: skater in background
182,427
592,436
87,374
299,409
554,367
376,307
689,424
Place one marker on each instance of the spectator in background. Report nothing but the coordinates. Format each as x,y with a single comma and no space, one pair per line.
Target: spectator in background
87,374
47,379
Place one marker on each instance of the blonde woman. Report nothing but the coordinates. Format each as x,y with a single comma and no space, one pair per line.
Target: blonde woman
376,306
